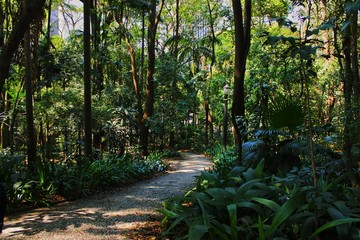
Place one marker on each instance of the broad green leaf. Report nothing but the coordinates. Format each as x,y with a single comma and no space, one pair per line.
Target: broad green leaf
205,216
177,220
261,229
197,232
259,170
337,181
219,194
249,175
201,195
342,207
268,203
222,230
334,224
285,211
232,209
236,171
307,226
212,179
250,205
343,230
241,191
168,213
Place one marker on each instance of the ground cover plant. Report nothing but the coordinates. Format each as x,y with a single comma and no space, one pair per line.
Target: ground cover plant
246,202
66,180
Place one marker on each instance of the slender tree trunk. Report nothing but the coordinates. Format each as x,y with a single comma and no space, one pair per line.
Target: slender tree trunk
351,94
31,136
87,81
175,80
150,89
142,64
4,131
213,37
2,20
134,74
96,37
326,36
5,125
242,45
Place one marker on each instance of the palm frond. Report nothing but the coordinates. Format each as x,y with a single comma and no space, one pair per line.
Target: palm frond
253,150
270,133
294,147
285,112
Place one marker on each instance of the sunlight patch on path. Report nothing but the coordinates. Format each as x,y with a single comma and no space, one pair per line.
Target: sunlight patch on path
108,216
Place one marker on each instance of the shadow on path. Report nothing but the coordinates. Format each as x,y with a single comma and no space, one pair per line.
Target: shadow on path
107,216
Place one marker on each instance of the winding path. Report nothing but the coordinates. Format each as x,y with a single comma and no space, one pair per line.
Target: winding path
108,216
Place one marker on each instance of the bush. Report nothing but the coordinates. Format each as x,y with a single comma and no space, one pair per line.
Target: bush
248,204
70,180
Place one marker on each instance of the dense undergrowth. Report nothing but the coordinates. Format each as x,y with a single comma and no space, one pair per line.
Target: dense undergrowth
252,202
54,181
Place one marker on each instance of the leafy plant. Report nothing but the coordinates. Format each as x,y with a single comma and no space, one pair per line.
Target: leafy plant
248,204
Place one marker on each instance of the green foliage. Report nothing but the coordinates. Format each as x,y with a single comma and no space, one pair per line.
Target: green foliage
71,180
10,165
111,170
285,113
223,160
248,203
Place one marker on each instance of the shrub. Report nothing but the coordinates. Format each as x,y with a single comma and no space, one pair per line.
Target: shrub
248,204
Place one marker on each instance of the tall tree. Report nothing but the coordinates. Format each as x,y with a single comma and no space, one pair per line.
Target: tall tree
31,136
242,21
87,80
351,88
150,88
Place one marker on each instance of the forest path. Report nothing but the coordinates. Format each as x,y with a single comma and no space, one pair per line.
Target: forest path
108,216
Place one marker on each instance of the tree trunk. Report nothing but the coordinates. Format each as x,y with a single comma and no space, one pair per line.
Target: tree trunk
150,89
134,74
96,37
31,137
5,125
87,81
242,45
172,139
213,37
142,64
351,94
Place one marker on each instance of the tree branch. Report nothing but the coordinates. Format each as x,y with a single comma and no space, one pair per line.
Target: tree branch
16,35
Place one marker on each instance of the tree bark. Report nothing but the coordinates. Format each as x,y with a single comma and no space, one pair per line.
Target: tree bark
242,45
351,94
31,136
150,89
87,81
172,139
134,73
135,76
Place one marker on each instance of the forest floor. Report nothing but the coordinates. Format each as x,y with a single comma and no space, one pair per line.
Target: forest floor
126,213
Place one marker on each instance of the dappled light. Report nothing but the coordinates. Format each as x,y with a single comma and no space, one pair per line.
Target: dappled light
108,216
179,119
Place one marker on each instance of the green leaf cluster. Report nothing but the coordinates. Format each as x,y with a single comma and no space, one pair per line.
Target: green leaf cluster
248,204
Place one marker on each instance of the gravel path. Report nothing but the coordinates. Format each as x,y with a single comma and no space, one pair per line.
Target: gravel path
108,216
